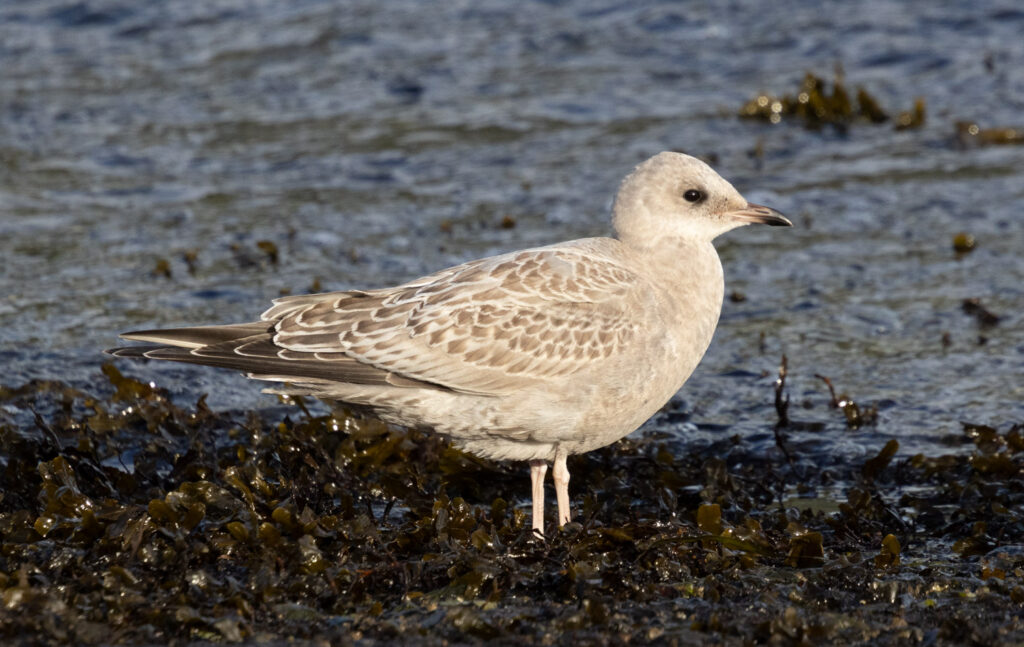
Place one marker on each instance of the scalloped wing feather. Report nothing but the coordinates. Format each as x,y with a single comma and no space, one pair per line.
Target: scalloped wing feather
488,327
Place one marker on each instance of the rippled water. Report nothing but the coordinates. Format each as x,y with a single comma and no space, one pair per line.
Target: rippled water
373,142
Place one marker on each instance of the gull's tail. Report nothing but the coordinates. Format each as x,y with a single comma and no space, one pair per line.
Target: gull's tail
250,348
194,336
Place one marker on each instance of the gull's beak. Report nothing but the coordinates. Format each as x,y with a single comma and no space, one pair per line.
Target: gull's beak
759,214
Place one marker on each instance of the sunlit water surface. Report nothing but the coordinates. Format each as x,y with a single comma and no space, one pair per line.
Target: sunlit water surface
375,142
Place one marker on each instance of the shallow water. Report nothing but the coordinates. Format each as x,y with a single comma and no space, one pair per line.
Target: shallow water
374,142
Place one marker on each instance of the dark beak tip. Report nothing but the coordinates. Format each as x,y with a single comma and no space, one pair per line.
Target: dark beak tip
758,213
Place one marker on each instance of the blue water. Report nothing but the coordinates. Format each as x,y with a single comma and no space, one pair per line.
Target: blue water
373,142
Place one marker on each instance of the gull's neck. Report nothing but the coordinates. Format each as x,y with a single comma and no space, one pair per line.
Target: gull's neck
686,267
670,252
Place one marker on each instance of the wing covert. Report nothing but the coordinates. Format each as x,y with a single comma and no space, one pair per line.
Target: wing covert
487,327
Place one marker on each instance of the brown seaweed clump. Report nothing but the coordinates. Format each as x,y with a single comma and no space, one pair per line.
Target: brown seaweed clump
815,105
969,133
964,243
126,519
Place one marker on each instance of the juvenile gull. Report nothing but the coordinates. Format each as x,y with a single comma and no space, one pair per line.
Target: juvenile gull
532,355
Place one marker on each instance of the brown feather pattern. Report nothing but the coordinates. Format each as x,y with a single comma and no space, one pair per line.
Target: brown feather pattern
487,327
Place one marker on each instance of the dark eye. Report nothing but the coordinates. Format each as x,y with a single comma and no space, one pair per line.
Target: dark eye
693,195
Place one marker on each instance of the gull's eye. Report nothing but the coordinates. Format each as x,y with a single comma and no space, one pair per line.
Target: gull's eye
693,195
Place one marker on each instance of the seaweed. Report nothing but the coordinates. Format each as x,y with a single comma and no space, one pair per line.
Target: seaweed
127,519
266,253
913,118
964,243
969,133
815,105
985,317
854,414
162,268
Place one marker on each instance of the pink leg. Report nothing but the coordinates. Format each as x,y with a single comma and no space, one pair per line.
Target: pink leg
537,471
561,478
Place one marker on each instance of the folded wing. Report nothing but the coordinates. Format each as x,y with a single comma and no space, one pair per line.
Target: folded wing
488,327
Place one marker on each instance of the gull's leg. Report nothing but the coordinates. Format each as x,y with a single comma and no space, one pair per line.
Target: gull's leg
561,478
537,471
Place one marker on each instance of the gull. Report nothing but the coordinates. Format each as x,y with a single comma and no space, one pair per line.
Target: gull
533,355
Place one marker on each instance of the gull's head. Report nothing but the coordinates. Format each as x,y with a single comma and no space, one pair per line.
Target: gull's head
673,195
